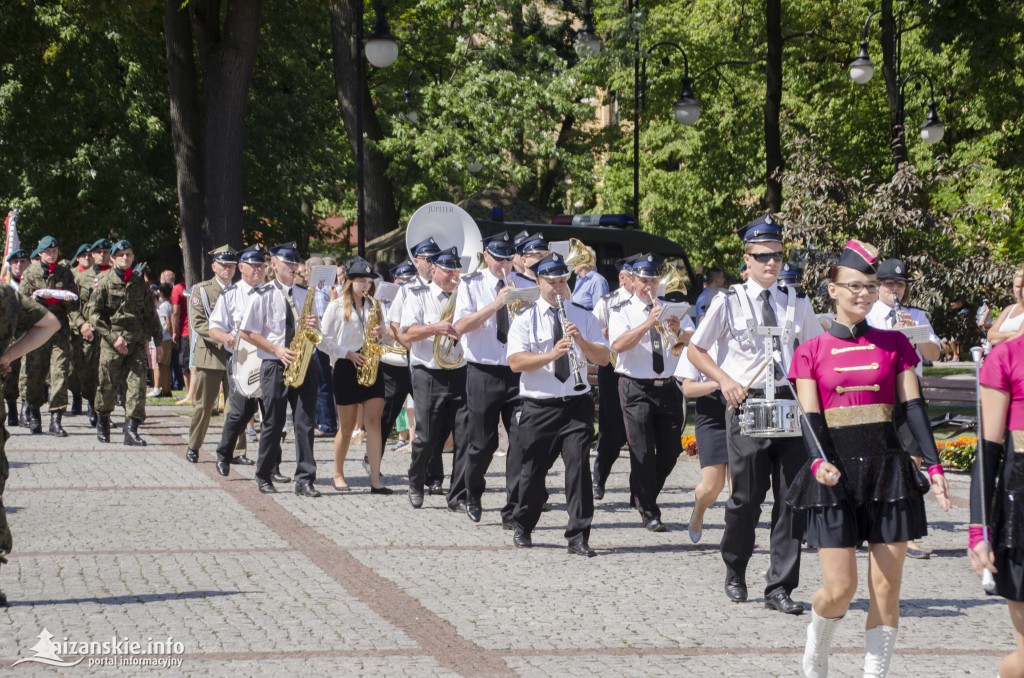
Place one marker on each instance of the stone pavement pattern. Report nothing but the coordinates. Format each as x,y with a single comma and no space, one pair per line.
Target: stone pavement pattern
112,540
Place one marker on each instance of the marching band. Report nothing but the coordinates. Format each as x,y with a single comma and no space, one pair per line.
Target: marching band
484,332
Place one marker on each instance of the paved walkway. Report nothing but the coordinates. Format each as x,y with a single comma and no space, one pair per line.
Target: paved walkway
139,544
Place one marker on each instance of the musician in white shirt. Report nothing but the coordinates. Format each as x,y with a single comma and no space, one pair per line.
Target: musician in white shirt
345,327
439,393
394,367
225,322
550,343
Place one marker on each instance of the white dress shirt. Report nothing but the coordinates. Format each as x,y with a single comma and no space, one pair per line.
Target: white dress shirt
603,307
880,317
480,345
341,335
423,306
686,370
739,355
268,314
395,359
532,331
638,362
231,308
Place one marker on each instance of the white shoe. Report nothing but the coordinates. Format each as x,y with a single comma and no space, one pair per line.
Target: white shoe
819,638
155,393
879,644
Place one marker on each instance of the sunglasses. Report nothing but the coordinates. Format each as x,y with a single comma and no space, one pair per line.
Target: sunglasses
765,257
858,287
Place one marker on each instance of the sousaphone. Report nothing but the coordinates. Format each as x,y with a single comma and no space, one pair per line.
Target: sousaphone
450,226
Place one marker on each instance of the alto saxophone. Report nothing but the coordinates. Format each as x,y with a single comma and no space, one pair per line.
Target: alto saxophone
303,343
366,374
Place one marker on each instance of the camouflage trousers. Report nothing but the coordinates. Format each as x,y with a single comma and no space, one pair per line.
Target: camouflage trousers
85,357
118,370
11,381
50,359
6,541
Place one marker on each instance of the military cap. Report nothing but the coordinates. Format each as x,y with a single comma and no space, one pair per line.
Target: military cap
500,245
860,256
551,266
447,259
287,252
763,229
893,269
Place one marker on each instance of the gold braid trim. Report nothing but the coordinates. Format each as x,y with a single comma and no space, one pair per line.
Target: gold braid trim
1018,440
855,368
838,417
854,389
866,347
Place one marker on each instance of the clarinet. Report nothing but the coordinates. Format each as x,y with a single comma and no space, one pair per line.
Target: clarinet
574,362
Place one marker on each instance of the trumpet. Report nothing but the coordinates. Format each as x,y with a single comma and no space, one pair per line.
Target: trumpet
578,384
668,337
516,305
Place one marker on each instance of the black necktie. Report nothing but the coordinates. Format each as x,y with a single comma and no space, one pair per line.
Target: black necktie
892,318
562,362
289,319
502,317
768,316
657,357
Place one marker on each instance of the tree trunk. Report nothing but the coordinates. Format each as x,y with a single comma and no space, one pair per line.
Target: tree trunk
550,177
186,135
892,88
381,215
773,107
227,49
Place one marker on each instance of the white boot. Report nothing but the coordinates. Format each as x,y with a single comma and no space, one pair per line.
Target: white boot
819,638
879,644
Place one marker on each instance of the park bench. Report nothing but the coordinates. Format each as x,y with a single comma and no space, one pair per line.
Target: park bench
945,389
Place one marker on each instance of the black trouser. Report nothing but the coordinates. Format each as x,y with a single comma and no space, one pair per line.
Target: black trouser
755,464
611,434
397,386
654,422
239,411
440,405
546,428
492,391
276,398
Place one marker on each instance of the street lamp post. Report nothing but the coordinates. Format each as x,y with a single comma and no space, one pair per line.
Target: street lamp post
862,70
381,49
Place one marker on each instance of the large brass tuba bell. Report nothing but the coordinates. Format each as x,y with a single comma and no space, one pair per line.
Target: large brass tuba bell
579,255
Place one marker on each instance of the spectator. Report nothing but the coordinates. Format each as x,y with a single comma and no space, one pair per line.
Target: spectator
1010,323
177,382
162,379
383,270
180,337
326,423
590,285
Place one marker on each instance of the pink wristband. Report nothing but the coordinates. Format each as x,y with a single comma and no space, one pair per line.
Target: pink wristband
976,534
936,470
814,467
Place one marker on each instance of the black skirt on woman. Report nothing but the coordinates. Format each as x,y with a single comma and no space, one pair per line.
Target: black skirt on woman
347,390
1007,522
709,424
879,498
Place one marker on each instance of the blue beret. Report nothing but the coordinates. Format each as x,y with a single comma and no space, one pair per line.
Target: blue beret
84,248
120,246
101,244
19,253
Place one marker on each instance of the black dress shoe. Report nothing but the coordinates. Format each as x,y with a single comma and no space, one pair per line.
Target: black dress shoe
521,539
460,506
435,488
243,461
416,497
306,489
655,525
381,490
277,477
545,507
736,589
223,468
474,512
267,487
192,455
3,599
508,525
581,548
598,492
781,601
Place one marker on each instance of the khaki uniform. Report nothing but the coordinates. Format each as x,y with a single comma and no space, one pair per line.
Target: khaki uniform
85,355
119,309
17,315
210,360
52,358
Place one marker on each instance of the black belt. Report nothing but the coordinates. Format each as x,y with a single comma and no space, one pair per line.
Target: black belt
555,400
656,383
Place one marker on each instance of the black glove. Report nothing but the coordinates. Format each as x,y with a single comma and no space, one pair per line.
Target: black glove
815,421
988,458
917,419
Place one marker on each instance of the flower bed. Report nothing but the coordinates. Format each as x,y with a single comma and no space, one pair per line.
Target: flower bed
690,445
958,454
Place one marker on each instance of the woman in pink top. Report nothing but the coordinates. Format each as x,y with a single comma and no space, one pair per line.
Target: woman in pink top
859,486
1001,488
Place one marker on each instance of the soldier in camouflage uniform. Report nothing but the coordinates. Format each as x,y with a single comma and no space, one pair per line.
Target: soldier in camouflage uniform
123,313
88,367
18,316
18,261
52,359
83,262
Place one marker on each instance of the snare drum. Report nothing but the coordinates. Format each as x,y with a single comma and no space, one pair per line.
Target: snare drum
760,418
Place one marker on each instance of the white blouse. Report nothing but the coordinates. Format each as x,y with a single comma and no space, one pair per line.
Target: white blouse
339,335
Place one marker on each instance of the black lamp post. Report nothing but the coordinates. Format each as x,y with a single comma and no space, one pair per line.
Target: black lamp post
862,70
686,109
381,49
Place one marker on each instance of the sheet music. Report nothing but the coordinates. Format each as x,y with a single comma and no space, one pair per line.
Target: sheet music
323,274
918,334
673,309
524,294
386,292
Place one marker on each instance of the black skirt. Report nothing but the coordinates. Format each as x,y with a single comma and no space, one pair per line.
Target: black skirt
709,430
879,498
1006,524
347,390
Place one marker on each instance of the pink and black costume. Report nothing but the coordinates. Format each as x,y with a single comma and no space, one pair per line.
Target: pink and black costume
1003,483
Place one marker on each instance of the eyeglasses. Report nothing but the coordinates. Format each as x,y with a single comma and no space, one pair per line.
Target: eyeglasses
858,287
892,283
765,257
